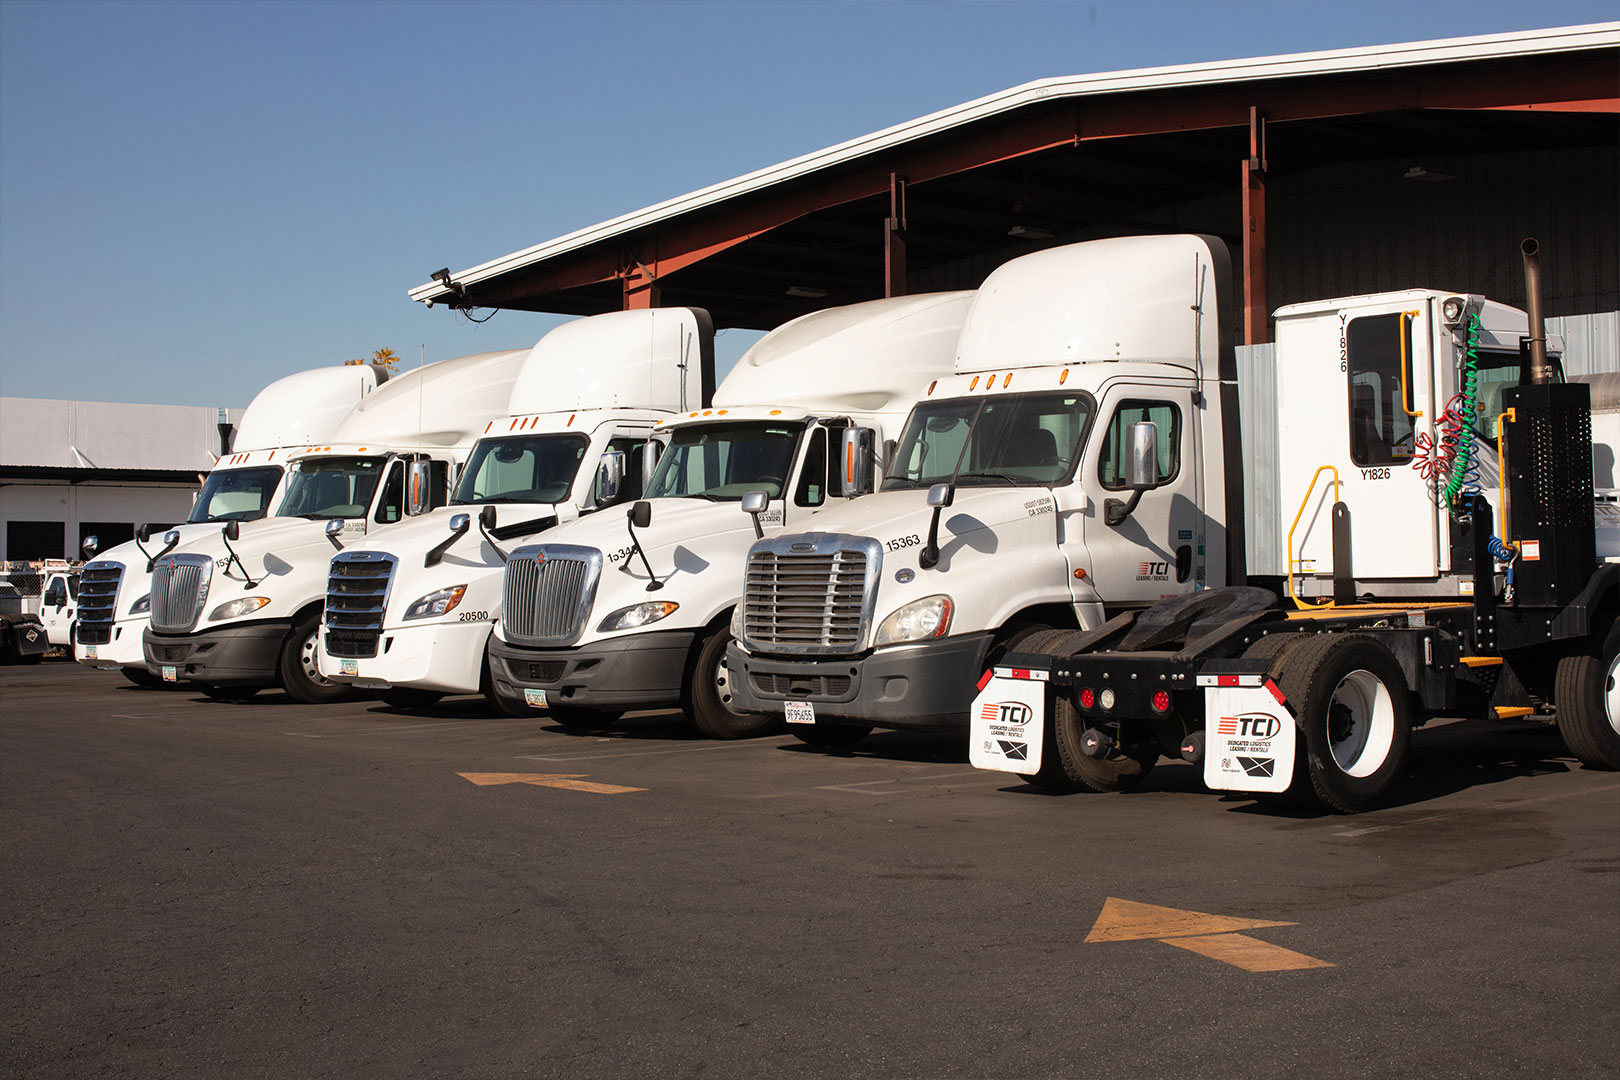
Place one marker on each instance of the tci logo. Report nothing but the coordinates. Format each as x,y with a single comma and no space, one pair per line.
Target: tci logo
1152,571
1250,726
1006,712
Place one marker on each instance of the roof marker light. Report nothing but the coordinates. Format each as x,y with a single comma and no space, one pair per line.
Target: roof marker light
1007,380
722,412
776,412
570,419
974,385
932,385
1063,378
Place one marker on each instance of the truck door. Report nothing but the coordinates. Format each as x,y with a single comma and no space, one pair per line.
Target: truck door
56,609
1364,421
1158,551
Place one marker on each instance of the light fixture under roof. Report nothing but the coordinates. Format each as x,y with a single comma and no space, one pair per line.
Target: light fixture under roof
1030,232
808,292
1418,172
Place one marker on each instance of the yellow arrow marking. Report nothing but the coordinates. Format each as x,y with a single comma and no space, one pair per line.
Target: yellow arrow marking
1199,932
566,781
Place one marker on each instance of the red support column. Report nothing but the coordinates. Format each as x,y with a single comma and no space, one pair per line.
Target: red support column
894,239
640,289
1254,233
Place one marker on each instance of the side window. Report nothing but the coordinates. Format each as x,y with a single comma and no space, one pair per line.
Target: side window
391,507
812,489
1380,429
1165,416
439,485
630,487
54,594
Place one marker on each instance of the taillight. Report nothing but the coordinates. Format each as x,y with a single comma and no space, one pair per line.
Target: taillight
1087,698
1161,701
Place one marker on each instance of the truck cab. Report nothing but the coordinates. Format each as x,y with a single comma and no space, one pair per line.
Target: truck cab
235,609
243,486
632,611
59,603
1005,509
410,615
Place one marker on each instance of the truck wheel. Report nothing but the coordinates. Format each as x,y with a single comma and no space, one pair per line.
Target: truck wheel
1121,769
141,677
407,698
575,718
1051,775
299,675
1587,694
708,696
1350,701
830,736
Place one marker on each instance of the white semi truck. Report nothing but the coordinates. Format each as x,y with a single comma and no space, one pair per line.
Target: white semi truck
1083,476
410,614
235,607
288,415
619,612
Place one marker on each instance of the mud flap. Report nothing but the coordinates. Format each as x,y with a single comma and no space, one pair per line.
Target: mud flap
1249,734
1008,721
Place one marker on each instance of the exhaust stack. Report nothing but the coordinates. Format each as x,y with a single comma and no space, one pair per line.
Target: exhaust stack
1540,371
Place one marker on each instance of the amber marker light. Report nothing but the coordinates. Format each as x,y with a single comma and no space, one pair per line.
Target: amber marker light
1063,378
1079,573
1006,381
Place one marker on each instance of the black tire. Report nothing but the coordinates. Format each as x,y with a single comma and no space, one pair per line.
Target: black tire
141,677
1350,702
575,718
1121,769
829,735
408,698
1051,774
299,678
227,693
708,696
1588,701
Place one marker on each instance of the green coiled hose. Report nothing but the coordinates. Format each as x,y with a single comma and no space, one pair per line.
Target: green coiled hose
1464,469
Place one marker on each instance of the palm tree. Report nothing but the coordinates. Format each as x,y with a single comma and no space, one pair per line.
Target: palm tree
383,358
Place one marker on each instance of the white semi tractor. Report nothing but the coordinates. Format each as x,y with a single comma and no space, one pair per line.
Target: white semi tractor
410,614
632,611
1084,470
290,414
235,607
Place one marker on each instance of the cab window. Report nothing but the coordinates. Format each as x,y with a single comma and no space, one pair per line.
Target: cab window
1116,441
391,507
1380,429
812,487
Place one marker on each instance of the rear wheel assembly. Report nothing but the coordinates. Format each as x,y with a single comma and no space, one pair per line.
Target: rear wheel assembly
1587,695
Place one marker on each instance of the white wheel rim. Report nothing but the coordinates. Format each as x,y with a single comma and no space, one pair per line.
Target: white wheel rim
1361,723
309,658
1611,693
722,684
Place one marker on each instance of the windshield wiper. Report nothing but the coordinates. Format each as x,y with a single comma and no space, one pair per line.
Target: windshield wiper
1013,480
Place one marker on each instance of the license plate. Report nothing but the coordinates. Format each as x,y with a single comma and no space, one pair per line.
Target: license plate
89,652
349,667
535,699
171,673
800,712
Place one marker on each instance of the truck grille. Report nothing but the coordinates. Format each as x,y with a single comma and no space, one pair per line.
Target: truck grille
814,600
356,600
548,593
98,601
179,591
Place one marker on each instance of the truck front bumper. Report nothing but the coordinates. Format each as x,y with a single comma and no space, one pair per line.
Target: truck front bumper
928,685
123,647
643,671
234,656
444,657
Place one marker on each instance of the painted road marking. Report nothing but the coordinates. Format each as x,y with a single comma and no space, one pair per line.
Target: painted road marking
1197,931
565,781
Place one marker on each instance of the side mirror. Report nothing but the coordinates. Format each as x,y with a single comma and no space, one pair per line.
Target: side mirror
609,477
334,532
233,530
143,533
460,523
172,537
754,504
857,453
641,514
418,487
486,517
941,495
651,451
91,545
1142,456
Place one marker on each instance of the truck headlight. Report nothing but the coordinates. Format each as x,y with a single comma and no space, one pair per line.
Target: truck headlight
235,609
141,606
737,621
436,603
637,615
929,617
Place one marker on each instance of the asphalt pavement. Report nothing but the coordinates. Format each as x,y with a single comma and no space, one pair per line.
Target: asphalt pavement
263,889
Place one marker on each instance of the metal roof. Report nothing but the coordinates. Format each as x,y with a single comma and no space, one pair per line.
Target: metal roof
583,271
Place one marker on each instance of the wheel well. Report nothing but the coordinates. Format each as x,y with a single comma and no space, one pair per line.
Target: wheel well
1057,616
312,608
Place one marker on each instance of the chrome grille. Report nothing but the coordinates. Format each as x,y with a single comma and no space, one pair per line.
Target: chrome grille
356,599
179,591
98,601
815,600
548,593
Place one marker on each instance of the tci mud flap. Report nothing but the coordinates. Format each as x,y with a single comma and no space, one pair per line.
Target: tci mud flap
1249,734
1009,718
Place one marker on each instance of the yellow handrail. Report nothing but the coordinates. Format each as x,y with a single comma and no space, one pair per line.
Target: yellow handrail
1509,416
1406,315
1292,595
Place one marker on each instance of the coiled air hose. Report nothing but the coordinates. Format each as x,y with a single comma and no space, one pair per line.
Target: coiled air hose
1464,479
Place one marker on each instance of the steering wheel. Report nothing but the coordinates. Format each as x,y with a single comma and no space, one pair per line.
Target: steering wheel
767,479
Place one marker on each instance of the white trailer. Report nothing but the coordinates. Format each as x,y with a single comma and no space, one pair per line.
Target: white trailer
245,485
235,607
633,612
410,614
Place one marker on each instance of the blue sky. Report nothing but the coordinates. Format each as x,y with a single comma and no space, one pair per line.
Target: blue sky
197,198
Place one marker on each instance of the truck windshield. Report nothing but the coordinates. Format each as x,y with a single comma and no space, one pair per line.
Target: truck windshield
522,469
235,495
1017,439
1496,371
725,461
331,487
